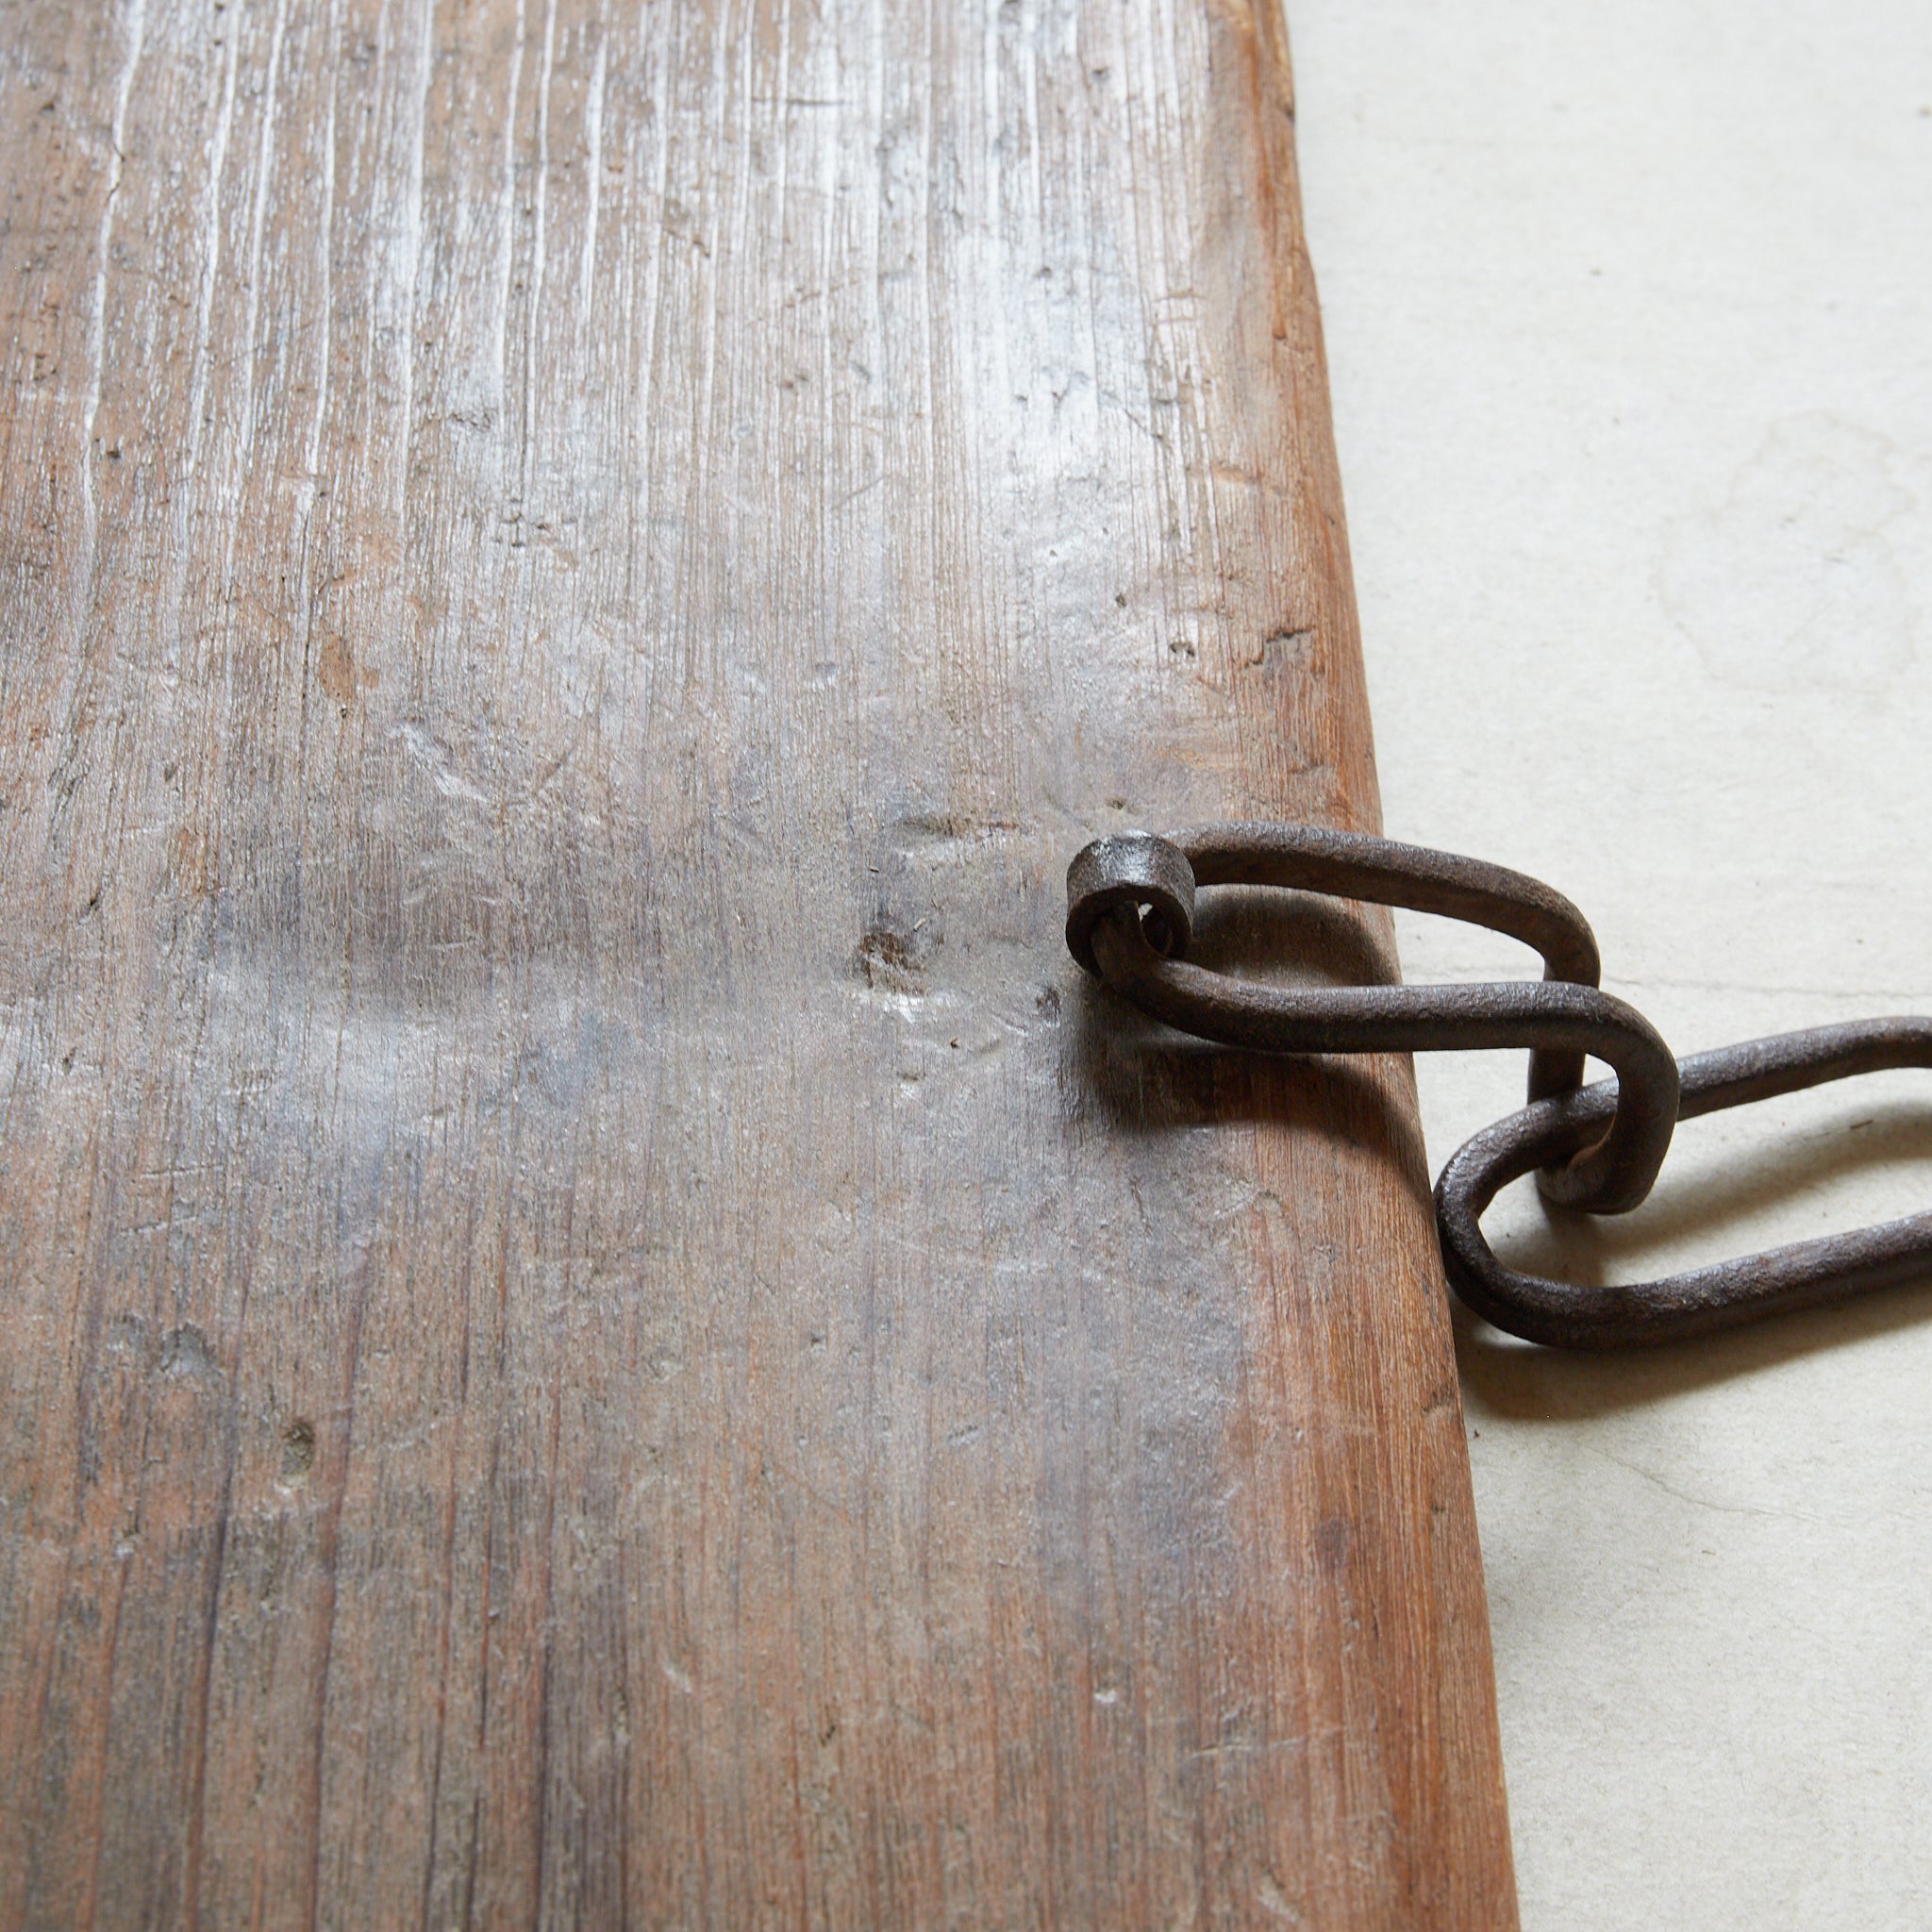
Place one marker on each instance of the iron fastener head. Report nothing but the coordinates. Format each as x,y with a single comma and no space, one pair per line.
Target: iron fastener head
1137,869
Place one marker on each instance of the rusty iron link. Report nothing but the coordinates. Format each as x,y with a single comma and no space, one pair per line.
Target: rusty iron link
1130,920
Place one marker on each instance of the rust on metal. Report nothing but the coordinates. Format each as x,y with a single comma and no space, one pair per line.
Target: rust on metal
1130,912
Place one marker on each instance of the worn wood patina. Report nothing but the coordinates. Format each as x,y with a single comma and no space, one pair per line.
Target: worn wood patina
601,1326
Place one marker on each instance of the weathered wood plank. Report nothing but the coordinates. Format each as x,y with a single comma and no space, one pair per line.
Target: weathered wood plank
600,1329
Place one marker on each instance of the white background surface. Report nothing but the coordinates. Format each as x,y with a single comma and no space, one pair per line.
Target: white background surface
1629,314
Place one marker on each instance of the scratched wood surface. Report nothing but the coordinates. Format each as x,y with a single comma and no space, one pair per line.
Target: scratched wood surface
599,1328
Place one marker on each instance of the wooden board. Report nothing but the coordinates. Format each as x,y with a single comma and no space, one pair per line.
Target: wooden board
600,1329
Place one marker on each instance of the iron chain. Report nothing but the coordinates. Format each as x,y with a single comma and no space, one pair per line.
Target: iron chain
1130,918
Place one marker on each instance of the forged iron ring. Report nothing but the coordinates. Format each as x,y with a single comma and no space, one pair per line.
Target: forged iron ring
1560,1020
1562,1316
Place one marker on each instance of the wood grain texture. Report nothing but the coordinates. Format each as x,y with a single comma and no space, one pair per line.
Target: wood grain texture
600,1328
